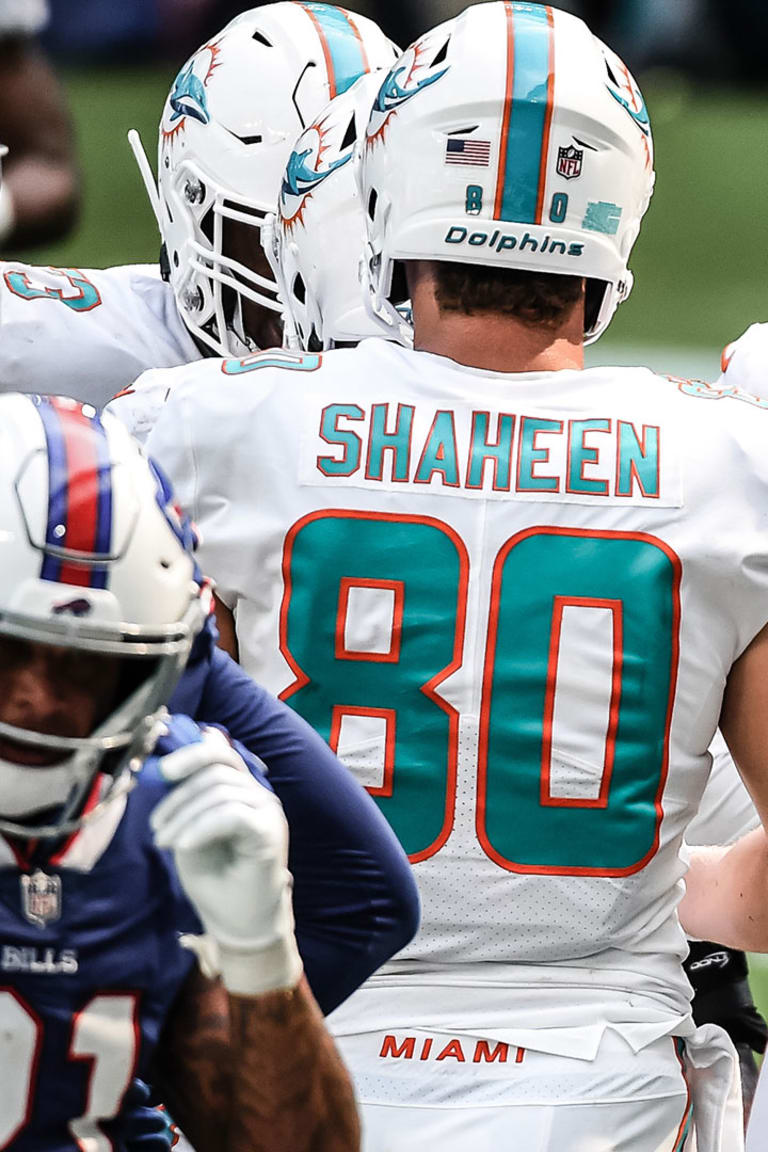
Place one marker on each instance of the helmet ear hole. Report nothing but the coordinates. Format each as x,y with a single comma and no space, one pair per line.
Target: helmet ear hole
260,38
372,199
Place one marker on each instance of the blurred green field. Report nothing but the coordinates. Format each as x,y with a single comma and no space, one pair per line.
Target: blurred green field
700,264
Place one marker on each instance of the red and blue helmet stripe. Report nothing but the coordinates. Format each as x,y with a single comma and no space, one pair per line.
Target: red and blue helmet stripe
527,119
345,57
79,493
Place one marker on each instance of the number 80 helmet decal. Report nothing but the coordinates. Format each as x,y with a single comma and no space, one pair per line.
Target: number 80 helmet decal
508,137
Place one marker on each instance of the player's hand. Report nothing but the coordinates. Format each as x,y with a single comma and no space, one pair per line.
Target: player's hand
144,1128
229,837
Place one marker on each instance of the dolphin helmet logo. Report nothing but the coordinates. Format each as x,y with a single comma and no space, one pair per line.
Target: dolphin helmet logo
622,86
303,172
188,99
300,178
402,83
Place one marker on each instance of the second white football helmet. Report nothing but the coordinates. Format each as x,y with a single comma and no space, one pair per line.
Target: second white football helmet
229,123
315,240
509,137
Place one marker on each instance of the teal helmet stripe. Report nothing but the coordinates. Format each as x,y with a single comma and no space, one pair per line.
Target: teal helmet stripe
343,49
527,114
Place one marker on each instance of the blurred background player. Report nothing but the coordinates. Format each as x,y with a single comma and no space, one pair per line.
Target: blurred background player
226,132
39,197
100,607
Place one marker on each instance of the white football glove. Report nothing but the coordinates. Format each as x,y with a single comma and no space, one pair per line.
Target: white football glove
229,837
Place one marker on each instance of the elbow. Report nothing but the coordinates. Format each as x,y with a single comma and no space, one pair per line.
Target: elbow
399,916
408,914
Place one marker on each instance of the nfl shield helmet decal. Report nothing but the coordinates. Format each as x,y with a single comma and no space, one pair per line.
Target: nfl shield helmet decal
41,898
569,162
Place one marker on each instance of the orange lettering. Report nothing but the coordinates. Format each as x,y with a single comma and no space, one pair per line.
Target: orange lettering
390,1047
453,1048
483,1052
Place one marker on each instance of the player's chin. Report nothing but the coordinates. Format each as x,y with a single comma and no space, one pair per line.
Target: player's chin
28,755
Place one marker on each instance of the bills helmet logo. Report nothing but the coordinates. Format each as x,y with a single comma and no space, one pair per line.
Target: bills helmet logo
78,607
569,162
188,97
413,72
307,169
41,898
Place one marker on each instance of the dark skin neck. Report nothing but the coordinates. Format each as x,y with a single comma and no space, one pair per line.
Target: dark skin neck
490,340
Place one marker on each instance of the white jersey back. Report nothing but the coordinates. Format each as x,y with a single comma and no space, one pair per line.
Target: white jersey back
88,333
510,602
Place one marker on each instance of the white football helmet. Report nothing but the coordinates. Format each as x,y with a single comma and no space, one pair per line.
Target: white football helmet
93,559
315,240
230,120
508,137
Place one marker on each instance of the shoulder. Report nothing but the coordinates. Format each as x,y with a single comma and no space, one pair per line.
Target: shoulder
724,430
745,362
209,395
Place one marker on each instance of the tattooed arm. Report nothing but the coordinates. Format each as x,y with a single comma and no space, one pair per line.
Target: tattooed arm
289,1086
254,1073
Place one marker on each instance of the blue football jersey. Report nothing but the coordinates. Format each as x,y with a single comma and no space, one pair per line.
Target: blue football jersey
90,963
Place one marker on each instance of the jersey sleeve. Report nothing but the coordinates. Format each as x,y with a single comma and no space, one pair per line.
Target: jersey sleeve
86,333
355,898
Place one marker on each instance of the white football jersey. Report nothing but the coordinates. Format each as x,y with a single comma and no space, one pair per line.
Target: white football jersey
510,602
86,333
745,363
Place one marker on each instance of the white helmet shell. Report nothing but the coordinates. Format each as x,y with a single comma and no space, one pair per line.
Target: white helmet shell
509,137
94,559
316,239
227,129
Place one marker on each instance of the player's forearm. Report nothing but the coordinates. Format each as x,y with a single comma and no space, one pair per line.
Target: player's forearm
45,199
290,1089
727,894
